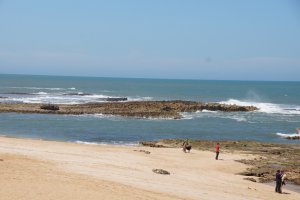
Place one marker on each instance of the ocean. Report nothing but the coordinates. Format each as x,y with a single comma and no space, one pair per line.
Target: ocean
278,115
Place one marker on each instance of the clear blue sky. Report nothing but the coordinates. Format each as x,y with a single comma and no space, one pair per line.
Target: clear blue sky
186,39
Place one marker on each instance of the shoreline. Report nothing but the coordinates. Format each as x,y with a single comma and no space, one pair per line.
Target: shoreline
126,170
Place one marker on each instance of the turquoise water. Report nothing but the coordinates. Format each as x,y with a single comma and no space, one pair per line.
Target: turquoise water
278,114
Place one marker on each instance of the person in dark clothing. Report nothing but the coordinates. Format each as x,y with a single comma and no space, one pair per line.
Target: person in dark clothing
217,151
278,178
186,146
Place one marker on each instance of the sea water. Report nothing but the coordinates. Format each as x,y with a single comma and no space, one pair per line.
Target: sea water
278,115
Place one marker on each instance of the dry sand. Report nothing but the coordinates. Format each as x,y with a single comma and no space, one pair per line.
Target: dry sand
40,170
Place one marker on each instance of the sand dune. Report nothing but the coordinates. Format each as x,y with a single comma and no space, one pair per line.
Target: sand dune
35,169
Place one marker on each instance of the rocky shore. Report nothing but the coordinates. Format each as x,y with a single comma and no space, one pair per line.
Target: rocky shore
143,109
269,157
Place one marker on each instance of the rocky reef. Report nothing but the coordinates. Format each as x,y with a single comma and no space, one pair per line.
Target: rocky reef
143,109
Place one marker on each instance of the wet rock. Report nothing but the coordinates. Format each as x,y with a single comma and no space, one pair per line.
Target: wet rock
49,107
116,99
161,171
248,173
152,144
293,137
250,179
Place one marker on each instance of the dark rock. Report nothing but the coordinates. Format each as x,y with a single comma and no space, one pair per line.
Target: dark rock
167,108
161,171
276,152
250,179
248,173
144,151
152,144
3,97
49,107
113,99
293,137
116,99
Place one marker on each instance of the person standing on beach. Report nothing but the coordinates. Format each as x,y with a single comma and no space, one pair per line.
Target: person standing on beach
217,151
283,176
278,179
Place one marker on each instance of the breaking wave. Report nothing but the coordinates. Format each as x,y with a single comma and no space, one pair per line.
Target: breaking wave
288,135
267,107
213,114
64,98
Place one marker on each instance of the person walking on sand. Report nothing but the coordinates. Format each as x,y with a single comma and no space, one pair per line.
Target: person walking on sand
217,151
278,180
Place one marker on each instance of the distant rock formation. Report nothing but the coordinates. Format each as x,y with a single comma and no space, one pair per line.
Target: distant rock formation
141,109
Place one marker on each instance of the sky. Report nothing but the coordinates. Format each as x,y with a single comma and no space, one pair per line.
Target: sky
174,39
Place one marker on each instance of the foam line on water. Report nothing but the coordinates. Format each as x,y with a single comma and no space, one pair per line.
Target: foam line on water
285,135
267,107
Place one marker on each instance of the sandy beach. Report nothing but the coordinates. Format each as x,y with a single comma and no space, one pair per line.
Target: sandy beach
37,169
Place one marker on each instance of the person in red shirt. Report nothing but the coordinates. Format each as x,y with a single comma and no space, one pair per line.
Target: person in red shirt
217,151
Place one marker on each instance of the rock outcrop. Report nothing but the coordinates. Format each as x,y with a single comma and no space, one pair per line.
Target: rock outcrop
49,107
296,137
142,109
161,171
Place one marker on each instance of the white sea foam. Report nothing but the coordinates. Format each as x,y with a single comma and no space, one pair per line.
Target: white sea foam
207,111
88,143
214,114
287,135
140,98
186,115
41,93
237,118
57,98
267,107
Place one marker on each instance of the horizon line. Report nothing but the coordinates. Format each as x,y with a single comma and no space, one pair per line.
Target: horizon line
149,78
